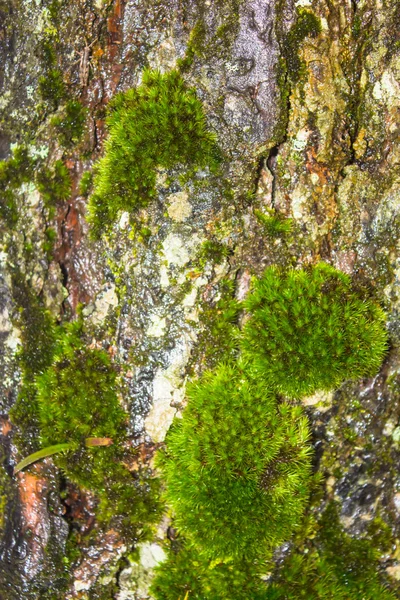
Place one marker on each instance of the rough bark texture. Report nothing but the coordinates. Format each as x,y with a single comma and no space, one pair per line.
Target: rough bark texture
309,124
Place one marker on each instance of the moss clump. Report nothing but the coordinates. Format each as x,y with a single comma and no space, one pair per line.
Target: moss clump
275,225
236,465
77,399
52,88
310,330
54,183
335,566
186,571
161,123
15,171
69,124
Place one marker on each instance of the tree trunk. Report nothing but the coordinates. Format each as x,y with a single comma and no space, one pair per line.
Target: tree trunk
304,99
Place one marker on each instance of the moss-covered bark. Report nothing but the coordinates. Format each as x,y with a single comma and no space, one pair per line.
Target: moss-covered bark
303,100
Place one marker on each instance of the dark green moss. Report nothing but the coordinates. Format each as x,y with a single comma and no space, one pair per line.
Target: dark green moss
218,338
54,183
77,399
69,124
161,123
310,330
48,244
52,88
334,566
306,25
236,466
15,171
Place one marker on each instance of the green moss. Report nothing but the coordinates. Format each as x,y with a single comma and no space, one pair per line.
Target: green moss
77,399
274,224
48,244
15,171
218,339
69,124
310,330
38,338
52,88
334,566
85,184
69,393
54,183
161,123
306,25
187,572
236,465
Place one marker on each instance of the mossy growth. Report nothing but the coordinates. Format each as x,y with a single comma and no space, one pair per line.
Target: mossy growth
15,171
54,183
310,330
69,124
85,183
52,88
237,465
306,25
274,224
38,337
186,572
335,565
77,399
160,123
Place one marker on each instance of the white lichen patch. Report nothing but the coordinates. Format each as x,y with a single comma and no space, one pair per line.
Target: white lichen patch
124,220
176,251
106,300
157,326
168,390
179,208
321,400
135,580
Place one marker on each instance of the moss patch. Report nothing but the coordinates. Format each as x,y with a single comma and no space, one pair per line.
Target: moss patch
161,123
310,330
236,465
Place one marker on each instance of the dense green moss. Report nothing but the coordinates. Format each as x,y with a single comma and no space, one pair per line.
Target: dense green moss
69,394
77,399
236,465
160,123
186,571
309,330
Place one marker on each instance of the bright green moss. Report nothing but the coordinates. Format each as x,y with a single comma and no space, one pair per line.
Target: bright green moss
236,466
275,225
187,572
69,124
160,123
310,330
85,184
